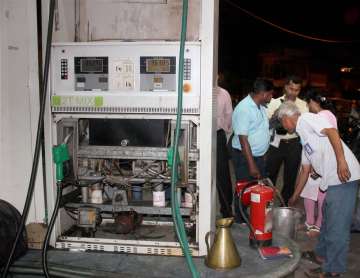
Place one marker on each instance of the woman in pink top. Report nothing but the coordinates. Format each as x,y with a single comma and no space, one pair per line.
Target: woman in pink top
308,187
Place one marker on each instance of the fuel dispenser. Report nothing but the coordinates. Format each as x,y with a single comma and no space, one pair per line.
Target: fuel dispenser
119,102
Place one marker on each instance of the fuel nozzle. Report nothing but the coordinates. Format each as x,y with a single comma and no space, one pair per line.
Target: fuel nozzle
60,155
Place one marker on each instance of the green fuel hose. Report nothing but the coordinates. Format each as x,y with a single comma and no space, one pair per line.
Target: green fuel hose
178,221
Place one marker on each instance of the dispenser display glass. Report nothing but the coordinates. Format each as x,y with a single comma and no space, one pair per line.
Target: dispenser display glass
158,65
91,65
158,73
91,73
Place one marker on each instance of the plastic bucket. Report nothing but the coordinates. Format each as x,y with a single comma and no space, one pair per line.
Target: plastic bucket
286,220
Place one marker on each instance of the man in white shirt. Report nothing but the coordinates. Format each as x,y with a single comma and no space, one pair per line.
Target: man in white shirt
340,171
284,147
223,181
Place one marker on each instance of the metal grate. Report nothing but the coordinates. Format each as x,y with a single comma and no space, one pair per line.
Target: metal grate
150,110
133,249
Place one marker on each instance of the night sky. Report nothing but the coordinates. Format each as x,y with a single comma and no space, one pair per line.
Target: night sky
242,37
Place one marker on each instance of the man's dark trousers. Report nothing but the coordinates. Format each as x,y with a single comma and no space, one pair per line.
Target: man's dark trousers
223,180
289,152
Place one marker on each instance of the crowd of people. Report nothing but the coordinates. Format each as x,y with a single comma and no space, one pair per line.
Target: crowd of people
262,133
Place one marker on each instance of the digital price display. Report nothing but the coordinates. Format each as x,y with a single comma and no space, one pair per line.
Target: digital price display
91,65
158,65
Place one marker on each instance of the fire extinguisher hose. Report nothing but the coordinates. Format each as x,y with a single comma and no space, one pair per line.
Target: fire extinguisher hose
268,182
243,214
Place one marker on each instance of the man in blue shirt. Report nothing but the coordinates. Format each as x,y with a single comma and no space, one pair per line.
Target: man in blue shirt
251,135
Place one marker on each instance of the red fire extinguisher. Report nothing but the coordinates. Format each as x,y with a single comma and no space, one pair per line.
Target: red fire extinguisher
260,198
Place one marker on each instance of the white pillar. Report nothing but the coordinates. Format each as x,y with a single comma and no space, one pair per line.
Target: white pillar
207,193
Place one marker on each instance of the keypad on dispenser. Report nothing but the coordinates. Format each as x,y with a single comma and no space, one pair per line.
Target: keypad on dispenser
187,69
64,69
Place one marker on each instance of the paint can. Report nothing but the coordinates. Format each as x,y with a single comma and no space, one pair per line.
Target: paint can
136,192
159,196
96,196
188,200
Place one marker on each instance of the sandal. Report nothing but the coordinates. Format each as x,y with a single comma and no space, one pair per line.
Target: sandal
314,228
311,256
313,273
313,232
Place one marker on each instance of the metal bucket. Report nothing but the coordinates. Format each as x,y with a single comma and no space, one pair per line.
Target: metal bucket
286,220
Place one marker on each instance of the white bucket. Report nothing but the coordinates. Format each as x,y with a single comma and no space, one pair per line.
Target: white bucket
159,198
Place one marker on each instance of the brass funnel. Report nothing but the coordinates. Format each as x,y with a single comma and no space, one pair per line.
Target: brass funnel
223,253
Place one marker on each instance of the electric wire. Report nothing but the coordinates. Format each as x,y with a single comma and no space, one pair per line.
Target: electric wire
49,230
40,129
304,36
40,78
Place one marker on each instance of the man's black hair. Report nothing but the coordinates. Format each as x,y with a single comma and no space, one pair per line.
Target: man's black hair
262,85
294,79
